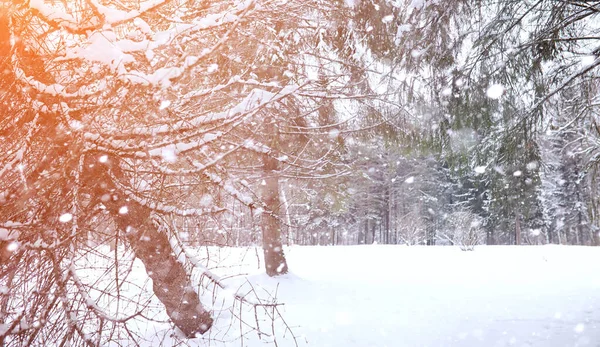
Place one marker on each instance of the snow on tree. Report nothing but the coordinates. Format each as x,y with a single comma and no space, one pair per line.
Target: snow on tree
132,118
146,125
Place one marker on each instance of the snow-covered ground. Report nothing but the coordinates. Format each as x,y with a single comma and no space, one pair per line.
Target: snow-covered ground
380,295
440,296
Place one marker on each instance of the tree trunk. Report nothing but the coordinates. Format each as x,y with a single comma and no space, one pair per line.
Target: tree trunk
275,263
333,243
373,229
517,231
171,282
386,218
289,237
558,234
580,228
362,234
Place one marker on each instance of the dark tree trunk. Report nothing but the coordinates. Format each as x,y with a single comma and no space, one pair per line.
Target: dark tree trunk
490,237
517,231
386,218
430,235
580,228
373,229
362,235
333,243
171,282
275,263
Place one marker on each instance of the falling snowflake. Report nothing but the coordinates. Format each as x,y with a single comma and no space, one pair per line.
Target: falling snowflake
164,104
65,217
531,166
12,246
387,19
103,158
123,210
206,200
415,53
495,91
333,133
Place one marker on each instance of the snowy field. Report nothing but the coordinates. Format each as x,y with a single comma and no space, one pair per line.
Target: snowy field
380,296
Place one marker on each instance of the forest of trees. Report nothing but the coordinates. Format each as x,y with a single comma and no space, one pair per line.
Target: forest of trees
271,123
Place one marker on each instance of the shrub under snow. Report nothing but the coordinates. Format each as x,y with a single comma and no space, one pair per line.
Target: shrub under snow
465,230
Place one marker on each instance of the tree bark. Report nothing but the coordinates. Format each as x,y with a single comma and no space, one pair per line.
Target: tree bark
332,232
275,263
373,229
517,231
171,282
363,238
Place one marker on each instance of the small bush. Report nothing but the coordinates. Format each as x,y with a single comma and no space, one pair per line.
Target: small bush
465,229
